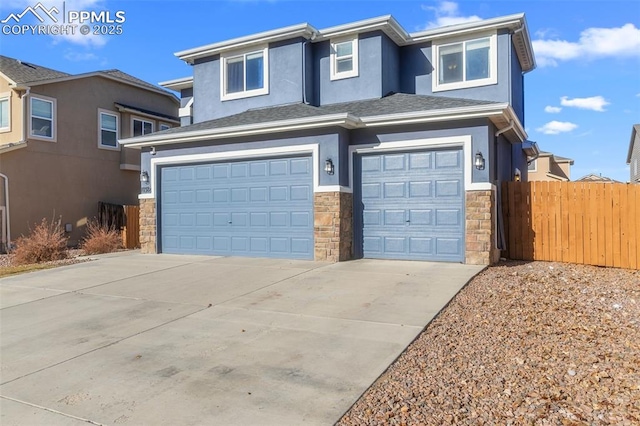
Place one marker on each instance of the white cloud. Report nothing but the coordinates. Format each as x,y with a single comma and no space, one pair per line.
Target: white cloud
78,57
594,103
594,43
557,127
89,40
552,109
447,13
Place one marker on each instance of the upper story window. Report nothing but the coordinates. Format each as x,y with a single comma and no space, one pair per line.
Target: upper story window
108,137
344,58
465,63
43,118
141,127
533,164
164,126
245,74
5,118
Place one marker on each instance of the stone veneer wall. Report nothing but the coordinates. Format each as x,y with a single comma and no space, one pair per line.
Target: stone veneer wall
147,225
480,228
333,226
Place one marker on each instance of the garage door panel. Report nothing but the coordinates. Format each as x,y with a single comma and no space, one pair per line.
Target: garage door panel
410,205
252,208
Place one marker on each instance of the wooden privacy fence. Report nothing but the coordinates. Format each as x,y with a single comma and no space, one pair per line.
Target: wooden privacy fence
588,223
131,228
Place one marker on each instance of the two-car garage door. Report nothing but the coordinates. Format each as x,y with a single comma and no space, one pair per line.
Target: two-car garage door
242,208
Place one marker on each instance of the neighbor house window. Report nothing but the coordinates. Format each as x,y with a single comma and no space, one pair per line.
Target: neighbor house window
5,121
245,74
465,63
141,127
533,165
42,122
164,126
108,137
344,59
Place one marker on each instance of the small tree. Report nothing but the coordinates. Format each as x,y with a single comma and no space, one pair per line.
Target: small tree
101,239
45,243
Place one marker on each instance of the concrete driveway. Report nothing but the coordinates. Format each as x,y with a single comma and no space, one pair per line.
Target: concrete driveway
185,340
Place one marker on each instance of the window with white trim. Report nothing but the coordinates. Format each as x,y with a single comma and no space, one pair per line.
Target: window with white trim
141,127
5,117
164,126
42,120
245,74
465,63
533,164
344,58
108,122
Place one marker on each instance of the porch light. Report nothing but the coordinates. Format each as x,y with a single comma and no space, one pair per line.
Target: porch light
144,177
479,163
328,166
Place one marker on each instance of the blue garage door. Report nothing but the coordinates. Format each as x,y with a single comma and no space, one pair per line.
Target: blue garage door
247,208
411,205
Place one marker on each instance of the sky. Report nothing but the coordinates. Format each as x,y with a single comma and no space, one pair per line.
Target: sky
580,102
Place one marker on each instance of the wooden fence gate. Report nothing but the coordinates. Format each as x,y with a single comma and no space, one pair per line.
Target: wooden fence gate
588,223
131,228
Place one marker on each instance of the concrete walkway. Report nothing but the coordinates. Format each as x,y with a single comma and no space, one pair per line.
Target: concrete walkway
187,340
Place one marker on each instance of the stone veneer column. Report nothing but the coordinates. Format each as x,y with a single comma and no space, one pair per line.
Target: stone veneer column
147,225
332,225
480,228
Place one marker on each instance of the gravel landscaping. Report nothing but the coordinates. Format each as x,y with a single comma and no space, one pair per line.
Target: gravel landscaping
73,256
523,344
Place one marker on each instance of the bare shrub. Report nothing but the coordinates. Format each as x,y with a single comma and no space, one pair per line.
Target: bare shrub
45,243
101,239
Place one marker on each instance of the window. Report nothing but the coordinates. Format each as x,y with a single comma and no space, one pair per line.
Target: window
164,126
467,63
344,59
108,137
5,120
533,165
245,74
141,127
42,121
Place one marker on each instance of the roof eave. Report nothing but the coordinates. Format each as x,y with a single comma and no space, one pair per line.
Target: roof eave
386,23
634,135
301,30
178,83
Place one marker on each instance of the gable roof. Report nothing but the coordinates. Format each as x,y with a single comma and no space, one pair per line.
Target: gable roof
556,158
635,138
398,108
515,23
21,73
592,177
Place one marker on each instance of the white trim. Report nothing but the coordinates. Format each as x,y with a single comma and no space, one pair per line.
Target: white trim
178,84
463,142
143,120
117,116
150,115
54,116
436,86
264,90
353,72
187,110
6,96
312,149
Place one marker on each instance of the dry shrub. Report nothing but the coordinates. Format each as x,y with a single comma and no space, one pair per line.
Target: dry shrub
45,243
101,239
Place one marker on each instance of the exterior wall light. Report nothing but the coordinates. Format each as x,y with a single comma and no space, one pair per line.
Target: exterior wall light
479,162
328,166
144,177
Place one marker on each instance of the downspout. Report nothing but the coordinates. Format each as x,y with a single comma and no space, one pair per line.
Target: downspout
304,66
6,203
506,129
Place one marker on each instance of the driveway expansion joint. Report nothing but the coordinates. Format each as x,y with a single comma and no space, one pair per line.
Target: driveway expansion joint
51,410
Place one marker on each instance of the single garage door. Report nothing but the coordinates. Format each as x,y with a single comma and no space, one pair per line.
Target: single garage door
411,205
244,208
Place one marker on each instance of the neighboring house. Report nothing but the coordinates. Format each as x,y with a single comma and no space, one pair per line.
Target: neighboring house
633,156
596,178
550,167
59,154
360,140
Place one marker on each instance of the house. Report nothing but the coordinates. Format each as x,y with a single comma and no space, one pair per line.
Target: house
359,140
633,156
592,177
550,167
59,154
